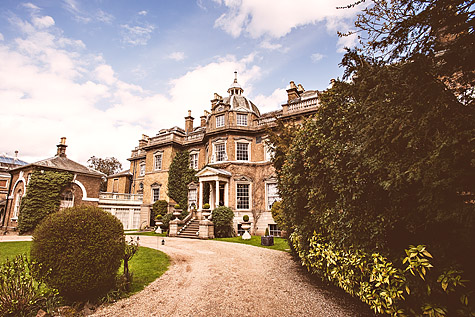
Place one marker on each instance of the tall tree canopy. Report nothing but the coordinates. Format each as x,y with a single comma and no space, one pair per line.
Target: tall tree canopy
108,165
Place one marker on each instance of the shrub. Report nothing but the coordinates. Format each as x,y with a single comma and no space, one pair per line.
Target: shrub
177,206
20,293
223,222
206,206
166,221
160,207
82,247
245,218
267,232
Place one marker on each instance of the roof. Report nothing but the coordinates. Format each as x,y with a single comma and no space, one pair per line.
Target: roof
11,160
123,173
238,102
63,163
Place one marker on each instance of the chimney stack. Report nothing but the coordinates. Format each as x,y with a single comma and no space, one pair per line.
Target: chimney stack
143,141
61,152
16,154
189,122
292,92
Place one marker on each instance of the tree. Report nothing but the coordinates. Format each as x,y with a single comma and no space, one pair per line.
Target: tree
108,166
179,176
440,30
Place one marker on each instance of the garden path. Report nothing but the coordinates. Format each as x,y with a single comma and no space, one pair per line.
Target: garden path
214,278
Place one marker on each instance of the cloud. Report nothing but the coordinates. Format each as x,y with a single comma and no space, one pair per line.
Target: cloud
1,37
104,17
43,22
136,35
270,46
143,12
177,56
277,18
316,57
53,87
272,102
31,6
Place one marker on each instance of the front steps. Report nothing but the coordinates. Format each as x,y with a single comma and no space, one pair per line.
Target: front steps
190,230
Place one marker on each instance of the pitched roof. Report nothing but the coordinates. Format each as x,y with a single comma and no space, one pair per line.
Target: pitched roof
63,163
123,173
11,160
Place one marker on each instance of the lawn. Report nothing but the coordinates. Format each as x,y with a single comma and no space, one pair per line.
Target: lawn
279,243
146,265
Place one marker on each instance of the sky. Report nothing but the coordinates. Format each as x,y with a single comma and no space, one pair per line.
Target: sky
103,72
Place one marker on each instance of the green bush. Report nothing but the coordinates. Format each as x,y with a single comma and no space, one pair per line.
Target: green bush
245,218
20,293
82,247
386,287
166,221
206,206
223,222
160,207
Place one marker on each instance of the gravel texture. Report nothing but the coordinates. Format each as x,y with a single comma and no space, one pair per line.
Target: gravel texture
214,278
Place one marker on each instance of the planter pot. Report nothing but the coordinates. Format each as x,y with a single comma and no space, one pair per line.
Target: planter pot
176,213
206,213
267,241
246,226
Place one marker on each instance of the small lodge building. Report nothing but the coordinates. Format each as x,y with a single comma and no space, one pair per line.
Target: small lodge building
84,189
228,149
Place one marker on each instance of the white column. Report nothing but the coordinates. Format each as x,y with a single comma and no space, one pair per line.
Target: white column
226,194
199,200
217,193
212,197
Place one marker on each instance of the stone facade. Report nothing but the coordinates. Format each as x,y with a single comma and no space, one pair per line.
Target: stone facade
84,189
228,149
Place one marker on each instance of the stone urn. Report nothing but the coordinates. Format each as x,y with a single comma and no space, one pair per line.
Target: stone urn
246,226
206,213
177,212
159,226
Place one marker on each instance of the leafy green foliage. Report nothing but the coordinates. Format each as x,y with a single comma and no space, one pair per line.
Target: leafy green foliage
223,222
81,248
160,207
245,218
179,176
131,247
108,166
386,287
42,197
20,293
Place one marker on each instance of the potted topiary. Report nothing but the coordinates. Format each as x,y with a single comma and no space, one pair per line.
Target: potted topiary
246,225
177,211
206,212
158,223
267,240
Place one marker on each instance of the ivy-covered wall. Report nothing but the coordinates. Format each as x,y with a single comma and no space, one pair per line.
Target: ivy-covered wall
42,197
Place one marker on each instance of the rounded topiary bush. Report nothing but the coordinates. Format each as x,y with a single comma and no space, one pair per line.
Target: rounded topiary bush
223,222
245,218
80,251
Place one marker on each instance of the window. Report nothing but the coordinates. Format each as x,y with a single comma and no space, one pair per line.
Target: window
272,194
194,161
142,169
115,185
67,199
16,208
220,151
155,194
242,153
157,161
242,196
274,231
241,119
3,183
192,197
220,121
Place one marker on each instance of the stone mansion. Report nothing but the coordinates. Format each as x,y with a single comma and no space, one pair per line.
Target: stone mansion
228,149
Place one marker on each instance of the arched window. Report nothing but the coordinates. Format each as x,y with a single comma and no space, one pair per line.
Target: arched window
16,207
67,199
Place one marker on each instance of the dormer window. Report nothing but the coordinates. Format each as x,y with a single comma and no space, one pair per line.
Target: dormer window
220,121
241,119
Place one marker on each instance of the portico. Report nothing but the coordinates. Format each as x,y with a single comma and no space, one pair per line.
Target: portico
219,187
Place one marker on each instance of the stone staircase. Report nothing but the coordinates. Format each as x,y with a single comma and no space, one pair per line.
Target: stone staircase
190,229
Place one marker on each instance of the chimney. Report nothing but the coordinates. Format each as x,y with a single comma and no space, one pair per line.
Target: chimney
292,92
62,148
16,154
143,141
189,122
300,88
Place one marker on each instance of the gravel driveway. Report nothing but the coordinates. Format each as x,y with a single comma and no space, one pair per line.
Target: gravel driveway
213,278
